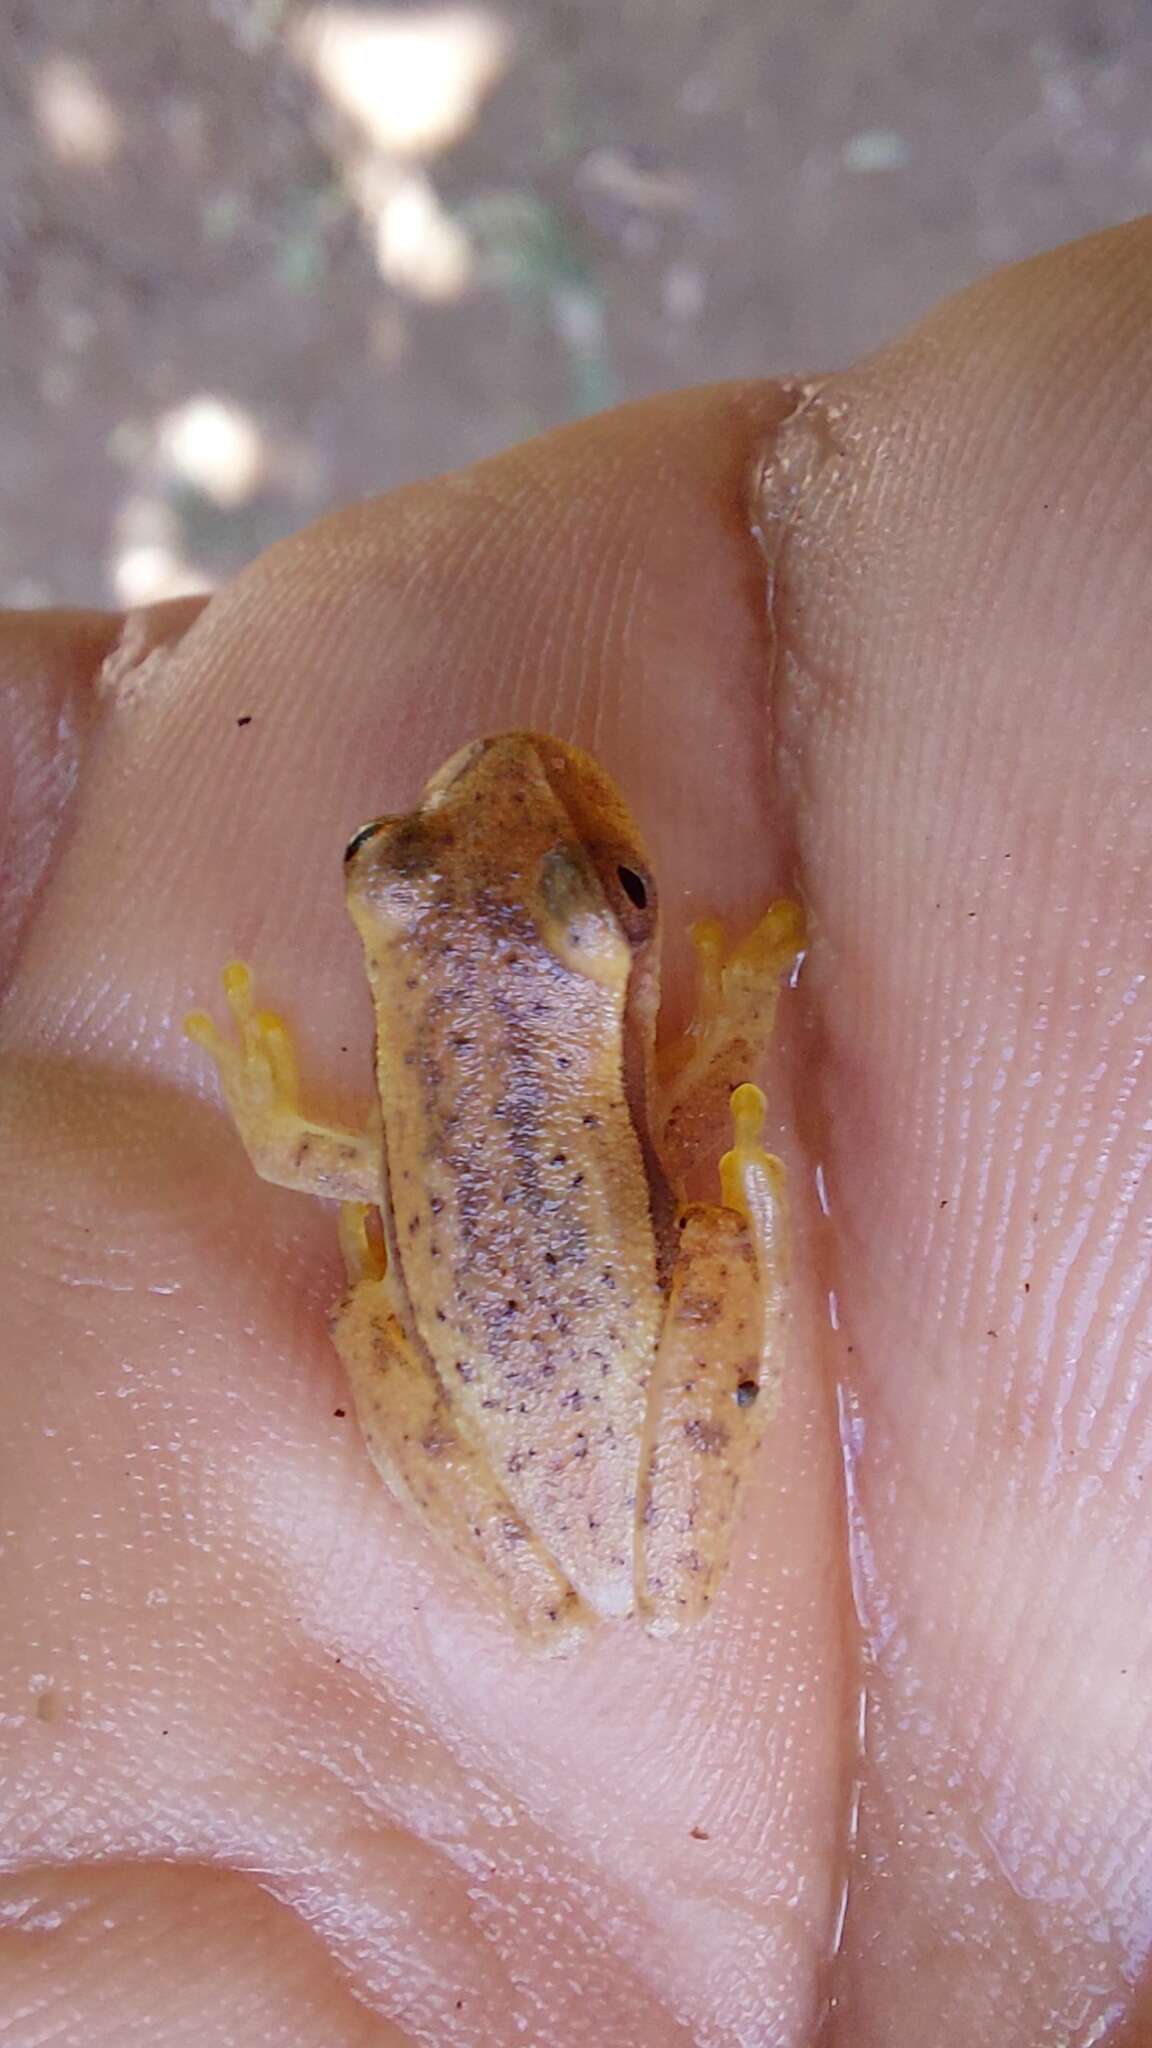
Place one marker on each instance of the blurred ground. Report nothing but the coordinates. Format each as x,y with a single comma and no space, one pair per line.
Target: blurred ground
260,257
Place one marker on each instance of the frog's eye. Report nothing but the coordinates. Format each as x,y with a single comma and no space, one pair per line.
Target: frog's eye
634,885
632,895
361,838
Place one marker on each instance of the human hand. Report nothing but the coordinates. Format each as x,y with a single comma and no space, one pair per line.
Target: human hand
274,1772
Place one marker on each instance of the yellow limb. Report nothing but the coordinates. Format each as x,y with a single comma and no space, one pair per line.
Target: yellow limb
256,1063
752,1179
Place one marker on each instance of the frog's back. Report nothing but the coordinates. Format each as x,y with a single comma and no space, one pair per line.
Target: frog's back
518,1200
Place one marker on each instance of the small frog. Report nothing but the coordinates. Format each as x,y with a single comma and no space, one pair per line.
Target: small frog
561,1364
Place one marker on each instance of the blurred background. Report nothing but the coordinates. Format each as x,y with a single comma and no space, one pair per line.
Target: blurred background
260,257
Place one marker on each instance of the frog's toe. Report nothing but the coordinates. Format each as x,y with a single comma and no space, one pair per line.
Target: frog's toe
238,989
269,1041
258,1065
749,1176
773,946
199,1027
267,1055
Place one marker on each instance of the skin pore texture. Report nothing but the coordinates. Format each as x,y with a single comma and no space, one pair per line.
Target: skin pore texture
271,1772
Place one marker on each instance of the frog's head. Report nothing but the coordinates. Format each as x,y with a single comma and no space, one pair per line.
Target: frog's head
517,832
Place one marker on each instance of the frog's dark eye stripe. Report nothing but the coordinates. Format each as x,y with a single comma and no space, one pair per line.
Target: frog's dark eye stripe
361,838
634,887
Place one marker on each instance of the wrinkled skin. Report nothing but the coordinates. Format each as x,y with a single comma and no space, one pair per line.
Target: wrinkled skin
271,1772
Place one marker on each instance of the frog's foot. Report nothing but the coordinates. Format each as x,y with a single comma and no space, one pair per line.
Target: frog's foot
419,1449
258,1073
715,1376
736,995
736,987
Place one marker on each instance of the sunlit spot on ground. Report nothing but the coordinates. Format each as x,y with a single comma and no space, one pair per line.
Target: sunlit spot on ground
206,486
146,564
74,114
412,82
408,85
213,445
419,247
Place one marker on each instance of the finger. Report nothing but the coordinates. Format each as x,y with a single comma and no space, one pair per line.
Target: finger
48,664
548,589
959,538
50,670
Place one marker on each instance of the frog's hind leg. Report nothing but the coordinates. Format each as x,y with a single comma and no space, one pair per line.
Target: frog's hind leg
257,1068
417,1447
714,1379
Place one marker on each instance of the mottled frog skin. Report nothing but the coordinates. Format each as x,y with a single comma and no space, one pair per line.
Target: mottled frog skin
560,1363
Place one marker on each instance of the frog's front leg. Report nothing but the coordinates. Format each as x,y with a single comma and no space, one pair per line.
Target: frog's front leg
258,1074
423,1456
737,990
714,1378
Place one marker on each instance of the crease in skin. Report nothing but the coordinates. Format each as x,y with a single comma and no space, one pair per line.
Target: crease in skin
47,663
44,772
803,459
803,444
148,637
